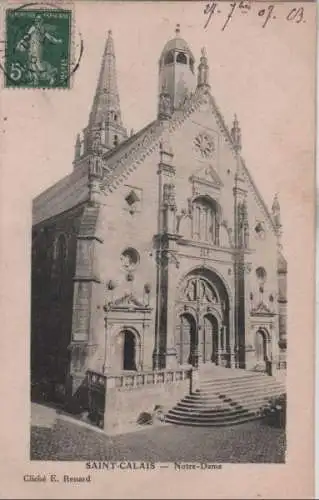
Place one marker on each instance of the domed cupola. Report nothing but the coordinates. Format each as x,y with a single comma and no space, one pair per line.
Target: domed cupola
176,70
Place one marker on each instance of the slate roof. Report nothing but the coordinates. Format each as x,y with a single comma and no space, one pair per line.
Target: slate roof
67,193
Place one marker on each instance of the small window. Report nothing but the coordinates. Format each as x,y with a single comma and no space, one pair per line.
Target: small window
116,140
181,58
191,65
115,117
169,58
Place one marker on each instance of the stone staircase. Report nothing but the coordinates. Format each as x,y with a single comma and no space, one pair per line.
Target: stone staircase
225,397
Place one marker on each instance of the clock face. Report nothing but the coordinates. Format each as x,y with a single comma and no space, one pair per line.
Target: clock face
204,143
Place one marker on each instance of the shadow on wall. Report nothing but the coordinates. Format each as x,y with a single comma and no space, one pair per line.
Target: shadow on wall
50,393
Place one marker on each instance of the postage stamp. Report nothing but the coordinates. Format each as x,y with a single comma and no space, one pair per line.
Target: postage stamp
37,48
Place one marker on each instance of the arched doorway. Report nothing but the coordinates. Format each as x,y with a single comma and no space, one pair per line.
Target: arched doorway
129,354
187,344
261,348
210,343
126,351
204,306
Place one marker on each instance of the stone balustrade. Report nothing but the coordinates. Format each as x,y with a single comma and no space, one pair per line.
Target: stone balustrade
133,380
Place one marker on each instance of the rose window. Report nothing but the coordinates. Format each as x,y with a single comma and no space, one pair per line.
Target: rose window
204,143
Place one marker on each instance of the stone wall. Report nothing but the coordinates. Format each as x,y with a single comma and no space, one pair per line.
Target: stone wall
53,267
124,405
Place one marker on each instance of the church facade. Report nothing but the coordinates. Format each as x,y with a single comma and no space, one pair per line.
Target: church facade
157,251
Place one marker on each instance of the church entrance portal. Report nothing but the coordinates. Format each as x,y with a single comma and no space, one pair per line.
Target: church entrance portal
203,323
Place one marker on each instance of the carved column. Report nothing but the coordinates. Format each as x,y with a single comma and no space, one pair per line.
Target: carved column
166,260
240,312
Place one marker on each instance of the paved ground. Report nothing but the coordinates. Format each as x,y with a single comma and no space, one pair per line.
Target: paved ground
252,442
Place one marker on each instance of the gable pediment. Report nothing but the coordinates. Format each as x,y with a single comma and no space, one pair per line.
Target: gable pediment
205,179
261,310
128,302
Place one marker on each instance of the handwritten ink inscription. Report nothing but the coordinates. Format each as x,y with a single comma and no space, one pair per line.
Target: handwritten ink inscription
266,14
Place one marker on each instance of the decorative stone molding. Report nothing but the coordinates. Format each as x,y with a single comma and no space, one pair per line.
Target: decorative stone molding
207,181
118,168
224,223
183,214
169,195
163,257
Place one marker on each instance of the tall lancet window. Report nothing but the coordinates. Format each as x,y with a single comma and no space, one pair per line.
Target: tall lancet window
60,263
205,220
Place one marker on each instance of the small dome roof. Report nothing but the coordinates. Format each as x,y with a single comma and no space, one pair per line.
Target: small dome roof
176,43
281,263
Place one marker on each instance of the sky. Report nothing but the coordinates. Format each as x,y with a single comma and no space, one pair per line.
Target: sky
264,75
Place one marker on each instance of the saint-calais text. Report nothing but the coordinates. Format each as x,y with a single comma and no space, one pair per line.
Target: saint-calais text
109,466
125,465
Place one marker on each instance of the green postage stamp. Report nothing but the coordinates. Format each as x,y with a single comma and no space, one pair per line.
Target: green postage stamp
38,48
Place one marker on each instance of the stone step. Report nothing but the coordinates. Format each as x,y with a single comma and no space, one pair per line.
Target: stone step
239,390
225,398
245,393
255,405
221,403
225,423
210,418
213,395
237,383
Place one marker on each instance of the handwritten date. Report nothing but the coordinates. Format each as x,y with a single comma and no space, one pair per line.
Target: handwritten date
244,7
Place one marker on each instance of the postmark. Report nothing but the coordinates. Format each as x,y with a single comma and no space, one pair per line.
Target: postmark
38,48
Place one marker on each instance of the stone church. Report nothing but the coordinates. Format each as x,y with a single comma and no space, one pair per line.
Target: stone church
157,251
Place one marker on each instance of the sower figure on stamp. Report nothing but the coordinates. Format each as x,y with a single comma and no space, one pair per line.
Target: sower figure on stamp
33,42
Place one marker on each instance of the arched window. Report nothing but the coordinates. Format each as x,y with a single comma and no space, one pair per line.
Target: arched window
61,248
181,58
205,221
116,140
115,117
191,64
169,58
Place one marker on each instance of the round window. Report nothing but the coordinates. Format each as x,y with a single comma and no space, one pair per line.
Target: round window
130,258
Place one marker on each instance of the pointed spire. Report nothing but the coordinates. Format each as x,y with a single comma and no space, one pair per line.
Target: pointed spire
105,115
77,148
203,70
236,134
106,100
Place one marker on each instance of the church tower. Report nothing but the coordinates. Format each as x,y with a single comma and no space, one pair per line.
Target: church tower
105,117
177,77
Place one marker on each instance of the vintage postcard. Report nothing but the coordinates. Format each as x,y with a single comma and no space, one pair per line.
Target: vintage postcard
157,249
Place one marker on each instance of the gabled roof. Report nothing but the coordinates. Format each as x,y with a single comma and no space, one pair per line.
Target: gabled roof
67,193
124,159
